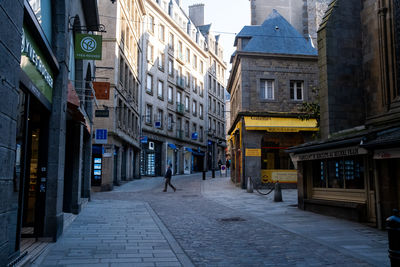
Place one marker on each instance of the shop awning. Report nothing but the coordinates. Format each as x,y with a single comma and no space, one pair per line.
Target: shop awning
73,107
276,124
188,149
172,146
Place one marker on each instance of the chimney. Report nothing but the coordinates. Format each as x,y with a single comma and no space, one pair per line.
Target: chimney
196,14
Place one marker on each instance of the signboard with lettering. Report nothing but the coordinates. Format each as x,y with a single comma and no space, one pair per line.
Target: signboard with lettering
253,152
101,136
333,153
88,46
34,64
102,90
102,113
143,139
282,176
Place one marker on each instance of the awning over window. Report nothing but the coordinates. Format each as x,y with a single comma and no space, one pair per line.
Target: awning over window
276,124
172,146
73,107
188,149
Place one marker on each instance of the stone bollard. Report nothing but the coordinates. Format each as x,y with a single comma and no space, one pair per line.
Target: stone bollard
249,185
393,227
278,193
204,175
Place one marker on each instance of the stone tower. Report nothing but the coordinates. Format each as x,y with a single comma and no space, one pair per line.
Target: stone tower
304,15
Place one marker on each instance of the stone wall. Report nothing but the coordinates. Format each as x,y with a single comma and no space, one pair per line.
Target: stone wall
340,58
282,71
304,15
11,17
291,10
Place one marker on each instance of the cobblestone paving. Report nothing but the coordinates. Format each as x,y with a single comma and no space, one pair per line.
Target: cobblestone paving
213,234
209,223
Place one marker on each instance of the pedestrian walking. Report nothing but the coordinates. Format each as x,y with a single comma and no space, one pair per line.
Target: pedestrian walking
228,164
219,164
168,176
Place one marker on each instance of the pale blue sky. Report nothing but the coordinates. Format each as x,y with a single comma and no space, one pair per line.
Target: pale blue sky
226,16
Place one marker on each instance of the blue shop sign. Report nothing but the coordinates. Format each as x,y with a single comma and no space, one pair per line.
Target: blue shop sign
143,139
101,136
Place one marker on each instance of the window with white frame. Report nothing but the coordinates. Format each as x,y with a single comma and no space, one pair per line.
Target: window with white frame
178,97
171,40
150,51
187,55
151,24
161,61
267,89
160,89
187,103
194,108
149,114
194,80
170,94
170,119
201,111
296,90
201,90
170,67
194,62
149,83
160,115
161,33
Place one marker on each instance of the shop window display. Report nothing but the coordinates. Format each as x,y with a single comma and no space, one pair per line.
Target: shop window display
346,173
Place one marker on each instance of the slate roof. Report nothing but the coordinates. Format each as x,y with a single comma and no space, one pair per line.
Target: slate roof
275,36
204,29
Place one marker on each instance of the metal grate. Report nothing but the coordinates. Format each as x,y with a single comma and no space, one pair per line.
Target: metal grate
232,219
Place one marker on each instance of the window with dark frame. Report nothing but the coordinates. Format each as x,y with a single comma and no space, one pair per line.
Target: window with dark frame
344,173
296,90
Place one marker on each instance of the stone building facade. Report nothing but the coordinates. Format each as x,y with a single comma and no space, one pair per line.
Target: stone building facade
174,92
216,84
353,170
40,107
274,71
118,80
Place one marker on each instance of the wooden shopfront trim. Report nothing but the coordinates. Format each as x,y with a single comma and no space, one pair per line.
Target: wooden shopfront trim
343,195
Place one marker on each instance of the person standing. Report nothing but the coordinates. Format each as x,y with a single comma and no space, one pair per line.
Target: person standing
168,176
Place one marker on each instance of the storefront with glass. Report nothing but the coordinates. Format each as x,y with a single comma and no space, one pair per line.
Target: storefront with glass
336,181
258,147
34,109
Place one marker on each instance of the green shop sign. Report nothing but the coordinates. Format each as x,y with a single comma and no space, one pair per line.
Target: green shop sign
88,46
34,65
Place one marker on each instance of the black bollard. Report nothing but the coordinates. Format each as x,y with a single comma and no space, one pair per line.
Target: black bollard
278,193
213,173
393,226
204,175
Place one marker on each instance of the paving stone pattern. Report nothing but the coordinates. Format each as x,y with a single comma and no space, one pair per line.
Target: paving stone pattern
210,223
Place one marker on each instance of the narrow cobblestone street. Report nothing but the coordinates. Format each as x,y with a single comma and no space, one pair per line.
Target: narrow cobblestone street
209,223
